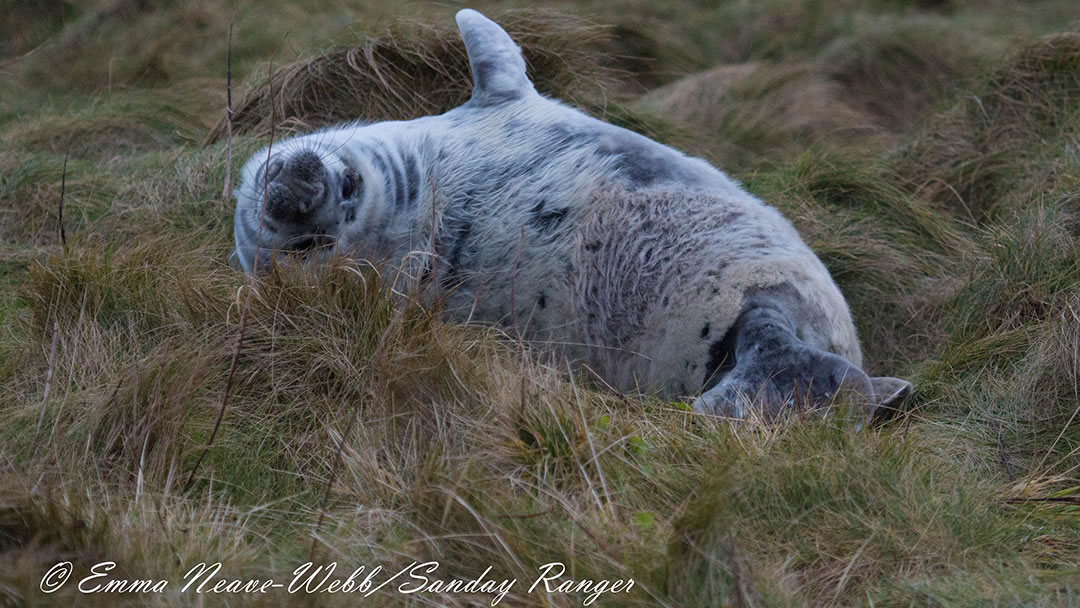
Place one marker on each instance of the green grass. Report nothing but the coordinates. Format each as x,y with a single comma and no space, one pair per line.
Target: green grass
927,151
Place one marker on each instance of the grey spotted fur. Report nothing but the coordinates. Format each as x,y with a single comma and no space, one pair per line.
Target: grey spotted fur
653,268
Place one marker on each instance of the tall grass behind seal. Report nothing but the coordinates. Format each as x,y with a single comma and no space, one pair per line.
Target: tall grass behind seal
414,69
975,159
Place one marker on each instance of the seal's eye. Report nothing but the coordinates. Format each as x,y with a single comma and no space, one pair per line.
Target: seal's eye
348,185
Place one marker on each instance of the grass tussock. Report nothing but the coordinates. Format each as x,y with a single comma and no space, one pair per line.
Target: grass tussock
864,88
753,111
875,501
161,118
925,151
415,69
978,159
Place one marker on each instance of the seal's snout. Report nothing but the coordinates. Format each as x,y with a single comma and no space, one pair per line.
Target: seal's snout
296,188
305,166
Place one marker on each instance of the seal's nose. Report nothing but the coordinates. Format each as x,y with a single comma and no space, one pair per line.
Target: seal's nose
297,187
304,166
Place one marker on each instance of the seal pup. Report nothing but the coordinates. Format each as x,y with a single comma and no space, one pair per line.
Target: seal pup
653,268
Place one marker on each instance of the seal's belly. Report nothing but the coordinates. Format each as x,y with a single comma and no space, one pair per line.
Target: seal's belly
621,284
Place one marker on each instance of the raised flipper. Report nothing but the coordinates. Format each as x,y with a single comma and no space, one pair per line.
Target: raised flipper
498,68
773,371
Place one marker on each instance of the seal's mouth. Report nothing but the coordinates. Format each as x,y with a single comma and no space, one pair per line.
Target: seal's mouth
307,242
300,246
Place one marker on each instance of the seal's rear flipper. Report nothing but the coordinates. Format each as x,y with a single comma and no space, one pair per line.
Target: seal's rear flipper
773,371
498,68
889,395
776,376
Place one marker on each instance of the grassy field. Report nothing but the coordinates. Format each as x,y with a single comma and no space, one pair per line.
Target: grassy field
928,151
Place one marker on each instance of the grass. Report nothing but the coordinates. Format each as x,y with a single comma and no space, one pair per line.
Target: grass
927,151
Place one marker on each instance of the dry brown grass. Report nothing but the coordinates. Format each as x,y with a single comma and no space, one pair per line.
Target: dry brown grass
971,158
752,112
415,69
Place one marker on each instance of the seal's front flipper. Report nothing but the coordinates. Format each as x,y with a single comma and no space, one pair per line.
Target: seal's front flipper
498,68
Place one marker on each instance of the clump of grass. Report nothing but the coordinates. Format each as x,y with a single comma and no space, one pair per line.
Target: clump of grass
754,113
1002,146
896,70
441,418
1033,265
105,45
415,69
30,189
160,118
864,89
1003,328
888,515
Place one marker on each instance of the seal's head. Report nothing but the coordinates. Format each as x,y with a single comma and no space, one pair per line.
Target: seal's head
295,200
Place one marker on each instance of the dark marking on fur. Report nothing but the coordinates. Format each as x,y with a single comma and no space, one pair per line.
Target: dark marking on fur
391,175
705,331
412,176
483,69
381,167
503,174
546,221
515,126
458,232
269,224
542,301
721,358
379,230
559,138
461,238
249,231
636,161
401,200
